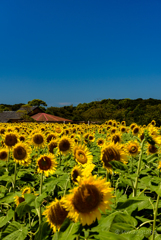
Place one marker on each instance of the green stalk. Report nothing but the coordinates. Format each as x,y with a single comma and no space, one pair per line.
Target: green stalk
14,181
138,170
7,162
41,182
155,216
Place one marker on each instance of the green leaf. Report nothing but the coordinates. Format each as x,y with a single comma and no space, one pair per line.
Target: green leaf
39,199
109,236
30,199
137,234
15,231
43,232
22,209
9,198
118,165
5,219
70,233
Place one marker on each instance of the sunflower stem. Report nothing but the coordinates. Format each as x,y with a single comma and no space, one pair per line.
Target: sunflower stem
138,170
60,159
41,182
14,181
7,161
155,215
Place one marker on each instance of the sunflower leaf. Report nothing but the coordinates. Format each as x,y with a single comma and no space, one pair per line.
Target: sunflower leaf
15,231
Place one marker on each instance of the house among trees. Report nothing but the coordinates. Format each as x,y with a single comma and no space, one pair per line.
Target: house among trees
23,114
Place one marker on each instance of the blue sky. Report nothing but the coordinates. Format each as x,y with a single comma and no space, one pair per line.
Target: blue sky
75,51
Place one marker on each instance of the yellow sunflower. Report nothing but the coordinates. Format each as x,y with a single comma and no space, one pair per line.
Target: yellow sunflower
18,200
11,139
111,152
51,136
3,154
133,148
76,171
82,155
100,142
52,145
116,138
65,145
87,199
26,190
47,164
151,149
38,139
135,131
91,137
55,214
21,153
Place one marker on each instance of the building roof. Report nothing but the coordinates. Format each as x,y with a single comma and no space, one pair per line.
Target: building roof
29,109
44,117
7,115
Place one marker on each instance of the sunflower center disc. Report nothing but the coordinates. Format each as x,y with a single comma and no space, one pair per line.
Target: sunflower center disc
87,198
19,153
3,155
38,139
81,157
44,163
10,140
64,145
57,214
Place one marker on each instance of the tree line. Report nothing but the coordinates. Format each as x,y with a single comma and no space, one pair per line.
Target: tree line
140,111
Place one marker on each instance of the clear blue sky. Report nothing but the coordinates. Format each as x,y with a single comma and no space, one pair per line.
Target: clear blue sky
74,51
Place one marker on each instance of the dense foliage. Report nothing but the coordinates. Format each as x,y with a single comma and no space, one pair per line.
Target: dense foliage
140,111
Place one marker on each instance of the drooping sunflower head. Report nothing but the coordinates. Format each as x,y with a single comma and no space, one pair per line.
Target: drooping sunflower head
76,171
21,153
116,138
10,139
65,145
51,136
52,145
46,164
133,148
19,200
26,190
55,214
87,199
111,152
3,154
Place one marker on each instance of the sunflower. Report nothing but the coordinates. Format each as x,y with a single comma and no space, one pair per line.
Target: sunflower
11,139
38,139
100,142
135,131
82,155
132,126
58,130
46,164
111,152
87,199
123,123
55,214
153,122
51,136
26,190
123,129
3,154
151,149
19,200
52,145
91,137
116,138
65,145
76,171
133,148
21,153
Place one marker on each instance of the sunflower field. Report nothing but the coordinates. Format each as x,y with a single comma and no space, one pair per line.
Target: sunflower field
69,181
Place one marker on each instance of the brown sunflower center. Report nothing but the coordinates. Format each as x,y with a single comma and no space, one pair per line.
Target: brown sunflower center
87,198
52,145
19,153
57,214
81,156
22,138
44,163
136,130
133,149
123,129
100,142
142,136
152,149
91,138
21,199
110,154
10,140
75,174
116,139
51,137
3,155
38,139
64,145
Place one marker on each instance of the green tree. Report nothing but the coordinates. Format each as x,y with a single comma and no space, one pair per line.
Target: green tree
37,102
